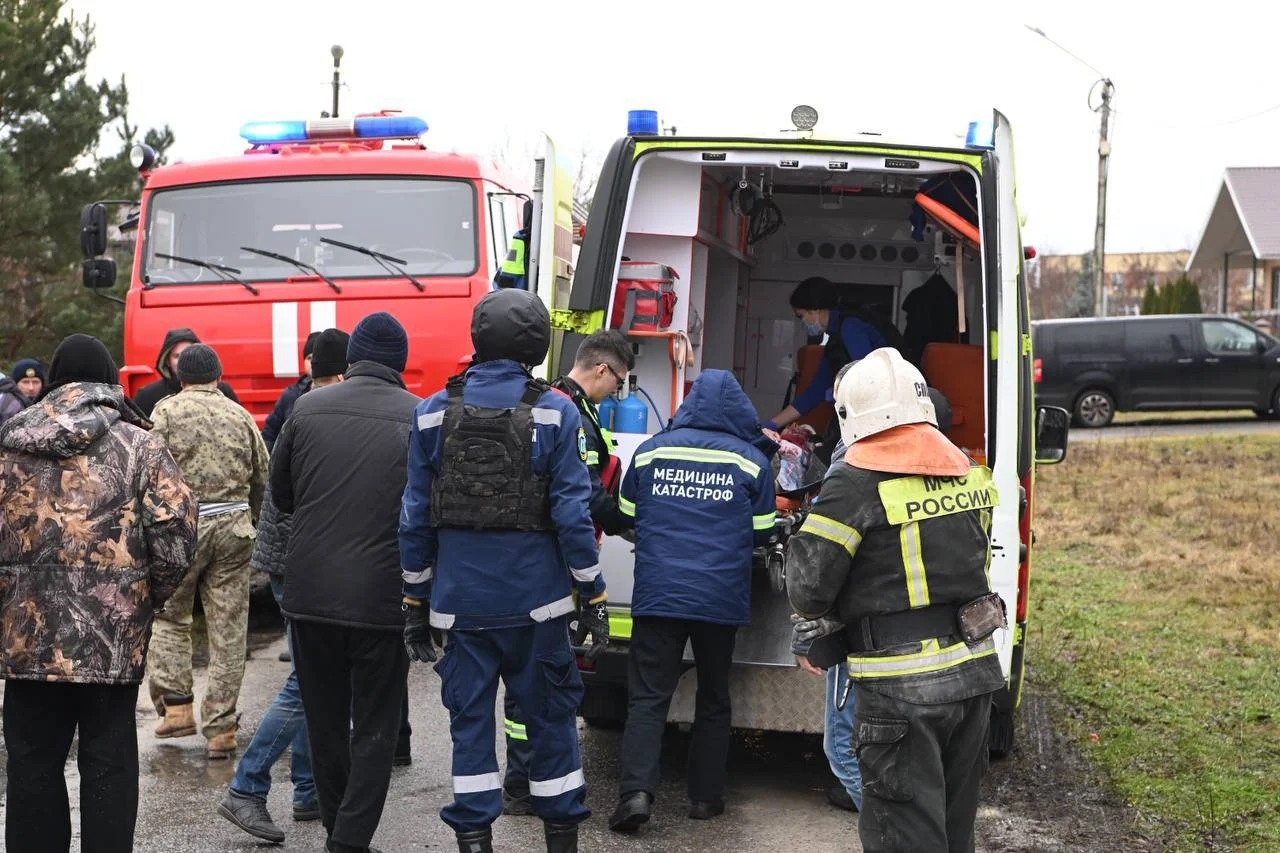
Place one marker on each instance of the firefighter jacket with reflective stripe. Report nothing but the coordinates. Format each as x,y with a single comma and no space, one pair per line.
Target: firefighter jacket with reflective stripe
878,543
600,459
486,479
701,496
501,578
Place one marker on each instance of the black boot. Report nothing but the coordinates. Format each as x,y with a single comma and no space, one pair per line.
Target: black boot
561,837
476,841
632,810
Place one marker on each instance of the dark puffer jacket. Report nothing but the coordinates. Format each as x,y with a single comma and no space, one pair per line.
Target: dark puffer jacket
272,545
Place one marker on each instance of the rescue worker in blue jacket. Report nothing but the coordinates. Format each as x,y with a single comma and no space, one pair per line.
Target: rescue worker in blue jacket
895,555
600,368
816,303
702,498
495,534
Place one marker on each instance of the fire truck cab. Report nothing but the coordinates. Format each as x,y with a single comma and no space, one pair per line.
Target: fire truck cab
317,225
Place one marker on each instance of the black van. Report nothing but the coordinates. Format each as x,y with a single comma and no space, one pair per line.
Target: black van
1097,367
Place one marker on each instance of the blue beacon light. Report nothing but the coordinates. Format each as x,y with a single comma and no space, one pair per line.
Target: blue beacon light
982,134
367,127
642,123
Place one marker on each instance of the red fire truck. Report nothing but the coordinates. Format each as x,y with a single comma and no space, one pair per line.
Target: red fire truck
316,225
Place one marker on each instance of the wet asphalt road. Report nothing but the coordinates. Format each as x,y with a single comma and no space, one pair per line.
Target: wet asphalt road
1155,428
775,798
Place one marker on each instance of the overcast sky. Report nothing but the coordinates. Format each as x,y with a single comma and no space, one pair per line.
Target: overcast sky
484,72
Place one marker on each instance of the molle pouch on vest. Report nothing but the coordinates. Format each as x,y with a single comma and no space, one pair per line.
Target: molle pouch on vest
486,478
980,618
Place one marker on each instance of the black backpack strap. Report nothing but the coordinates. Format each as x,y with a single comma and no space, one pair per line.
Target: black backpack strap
533,391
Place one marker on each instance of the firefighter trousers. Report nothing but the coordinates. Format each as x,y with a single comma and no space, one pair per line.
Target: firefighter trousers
922,766
540,671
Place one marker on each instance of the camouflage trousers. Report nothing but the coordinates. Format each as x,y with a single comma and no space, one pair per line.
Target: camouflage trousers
221,572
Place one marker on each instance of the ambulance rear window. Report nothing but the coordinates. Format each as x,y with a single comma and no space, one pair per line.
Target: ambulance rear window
429,223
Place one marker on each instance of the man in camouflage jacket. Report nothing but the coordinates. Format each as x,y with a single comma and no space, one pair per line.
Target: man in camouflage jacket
97,529
224,460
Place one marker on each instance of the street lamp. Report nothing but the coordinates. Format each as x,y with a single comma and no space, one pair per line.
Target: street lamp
1108,90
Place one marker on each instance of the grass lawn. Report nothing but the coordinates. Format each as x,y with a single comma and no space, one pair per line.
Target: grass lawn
1155,615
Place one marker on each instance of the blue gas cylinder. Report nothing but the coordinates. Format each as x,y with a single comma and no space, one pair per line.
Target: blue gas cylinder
606,411
631,415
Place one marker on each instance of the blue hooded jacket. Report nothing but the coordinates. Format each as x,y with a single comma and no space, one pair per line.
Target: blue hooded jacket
701,496
501,578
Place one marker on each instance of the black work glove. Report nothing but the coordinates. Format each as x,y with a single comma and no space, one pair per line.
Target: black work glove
419,636
593,619
805,631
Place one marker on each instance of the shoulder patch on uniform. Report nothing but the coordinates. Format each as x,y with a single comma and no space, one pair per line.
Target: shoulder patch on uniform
582,443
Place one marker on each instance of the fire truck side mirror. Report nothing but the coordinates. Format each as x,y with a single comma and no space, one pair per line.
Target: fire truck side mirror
98,273
93,229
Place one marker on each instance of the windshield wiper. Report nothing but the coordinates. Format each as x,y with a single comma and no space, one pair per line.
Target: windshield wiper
302,265
391,264
225,272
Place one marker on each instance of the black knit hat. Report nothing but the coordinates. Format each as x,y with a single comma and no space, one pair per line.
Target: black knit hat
28,368
379,338
82,358
329,357
512,324
309,348
199,365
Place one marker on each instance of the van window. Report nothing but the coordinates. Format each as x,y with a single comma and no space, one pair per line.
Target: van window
1223,336
1158,340
1087,339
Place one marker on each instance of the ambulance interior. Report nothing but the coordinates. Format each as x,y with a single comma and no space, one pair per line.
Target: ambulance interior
735,273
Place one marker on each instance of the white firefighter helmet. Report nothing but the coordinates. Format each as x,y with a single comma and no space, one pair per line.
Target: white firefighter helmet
880,392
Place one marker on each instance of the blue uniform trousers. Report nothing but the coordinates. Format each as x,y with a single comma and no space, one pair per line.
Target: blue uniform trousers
541,673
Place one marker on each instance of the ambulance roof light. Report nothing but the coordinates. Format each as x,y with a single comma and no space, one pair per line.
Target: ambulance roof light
360,127
982,134
642,123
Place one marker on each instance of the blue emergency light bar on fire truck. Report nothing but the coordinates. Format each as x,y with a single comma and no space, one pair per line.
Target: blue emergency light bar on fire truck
318,130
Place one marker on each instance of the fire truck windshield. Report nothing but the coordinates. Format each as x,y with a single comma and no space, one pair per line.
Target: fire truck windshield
429,223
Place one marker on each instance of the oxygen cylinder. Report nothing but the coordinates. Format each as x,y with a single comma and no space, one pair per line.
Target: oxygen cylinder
606,411
631,414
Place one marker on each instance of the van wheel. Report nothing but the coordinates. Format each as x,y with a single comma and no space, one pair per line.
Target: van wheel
1094,408
1000,735
1274,413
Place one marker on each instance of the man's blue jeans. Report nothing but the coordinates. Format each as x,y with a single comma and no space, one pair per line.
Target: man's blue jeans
282,726
837,738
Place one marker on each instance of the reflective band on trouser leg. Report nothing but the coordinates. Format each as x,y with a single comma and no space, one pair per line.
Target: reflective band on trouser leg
917,581
515,730
556,787
477,784
930,658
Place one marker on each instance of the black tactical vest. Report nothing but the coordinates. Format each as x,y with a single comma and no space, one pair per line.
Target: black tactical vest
486,479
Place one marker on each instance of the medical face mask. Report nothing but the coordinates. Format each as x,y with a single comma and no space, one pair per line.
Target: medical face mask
813,329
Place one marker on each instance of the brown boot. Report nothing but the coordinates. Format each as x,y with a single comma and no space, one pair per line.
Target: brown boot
179,716
222,745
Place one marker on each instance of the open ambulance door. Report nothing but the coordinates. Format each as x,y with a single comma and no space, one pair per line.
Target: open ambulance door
588,302
550,262
1008,349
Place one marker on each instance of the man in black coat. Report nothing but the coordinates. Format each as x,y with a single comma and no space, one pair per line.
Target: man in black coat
175,341
339,466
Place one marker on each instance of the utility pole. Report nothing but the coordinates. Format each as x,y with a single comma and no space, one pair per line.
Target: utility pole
1104,158
1100,234
336,53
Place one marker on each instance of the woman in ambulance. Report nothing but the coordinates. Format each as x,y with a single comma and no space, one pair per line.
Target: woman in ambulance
815,303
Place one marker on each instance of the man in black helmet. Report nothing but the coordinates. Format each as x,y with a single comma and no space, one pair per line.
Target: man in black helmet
495,535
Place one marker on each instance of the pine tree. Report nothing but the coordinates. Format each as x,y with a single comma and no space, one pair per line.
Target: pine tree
53,121
1150,299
